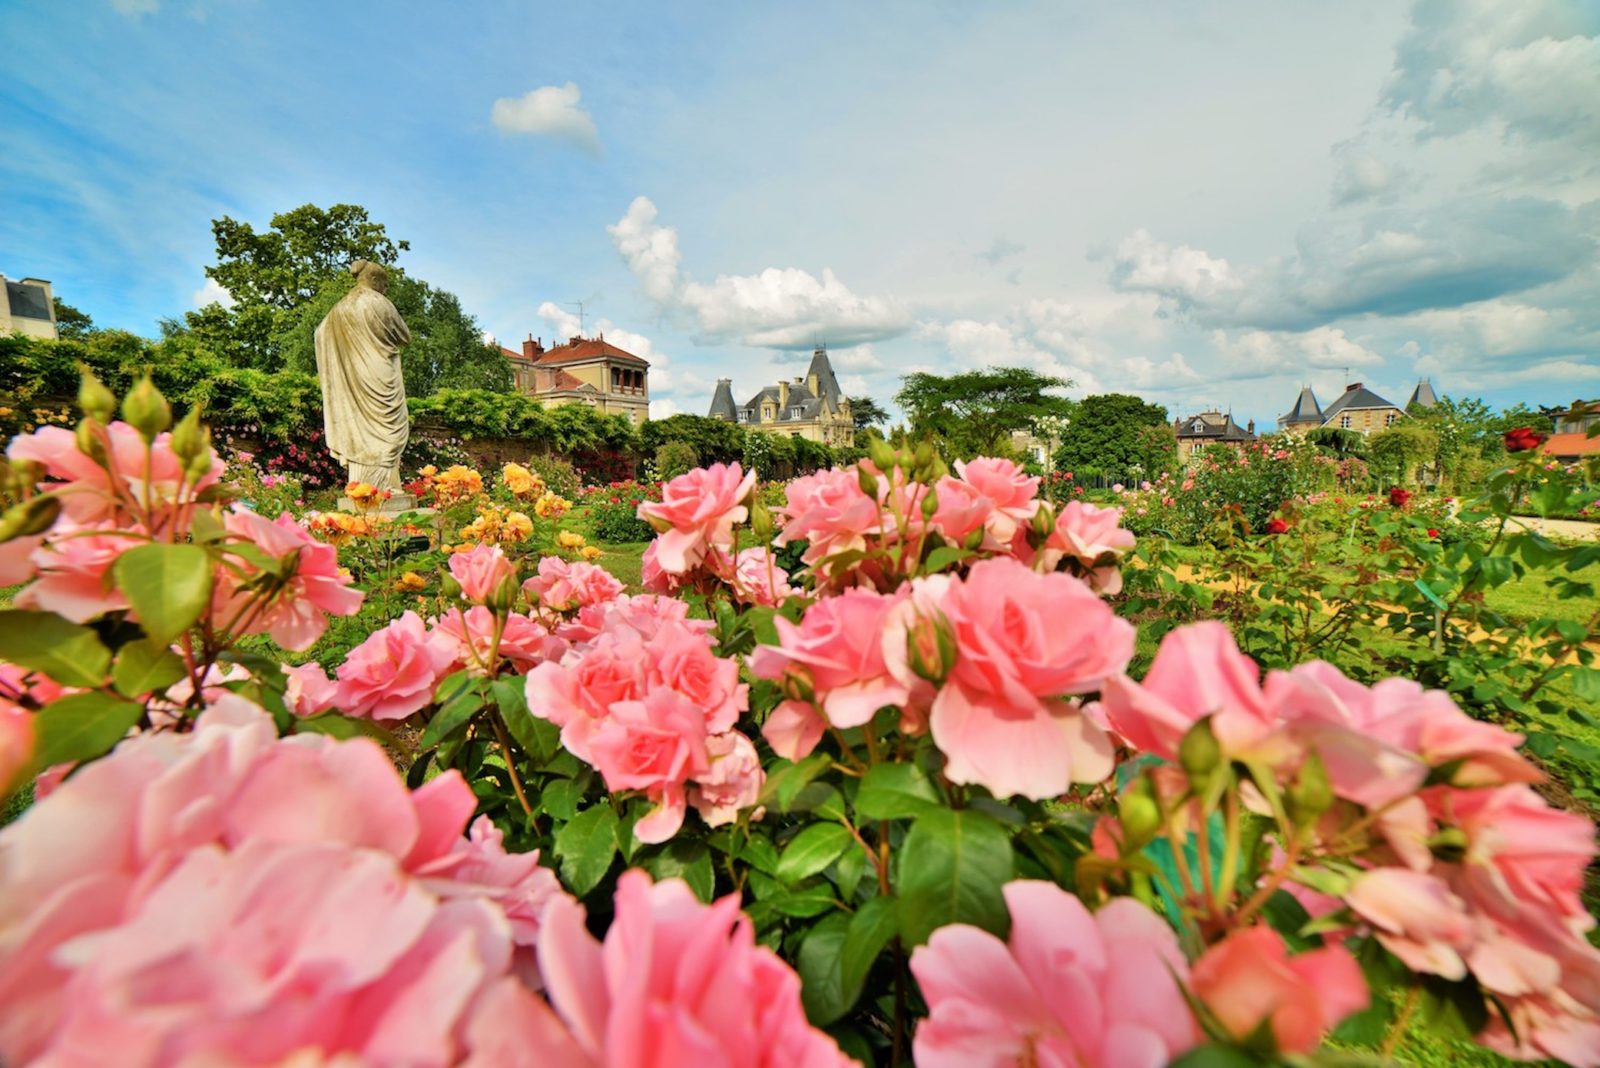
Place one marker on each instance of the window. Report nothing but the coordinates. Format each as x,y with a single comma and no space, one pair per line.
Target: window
1344,421
744,416
794,413
1389,419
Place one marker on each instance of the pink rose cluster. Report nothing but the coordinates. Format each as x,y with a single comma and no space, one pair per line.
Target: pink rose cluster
224,896
648,703
695,520
142,493
1466,870
989,506
993,663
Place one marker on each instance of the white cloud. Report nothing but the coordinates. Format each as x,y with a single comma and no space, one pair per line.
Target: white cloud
782,307
212,293
550,111
855,358
135,8
1532,67
563,325
1263,353
1171,373
663,408
651,251
1360,175
1186,275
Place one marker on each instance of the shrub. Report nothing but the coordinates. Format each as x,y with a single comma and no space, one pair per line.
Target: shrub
674,458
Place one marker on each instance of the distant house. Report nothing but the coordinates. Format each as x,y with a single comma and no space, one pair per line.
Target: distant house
1423,396
1571,440
1195,432
812,406
27,307
1361,410
588,371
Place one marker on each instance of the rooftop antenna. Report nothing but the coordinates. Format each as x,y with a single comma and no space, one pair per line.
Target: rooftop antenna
579,305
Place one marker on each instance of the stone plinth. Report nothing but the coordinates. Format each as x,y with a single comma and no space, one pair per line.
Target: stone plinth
400,502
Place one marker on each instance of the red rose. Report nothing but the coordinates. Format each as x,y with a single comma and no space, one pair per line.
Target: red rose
1276,526
1398,497
1523,438
1432,532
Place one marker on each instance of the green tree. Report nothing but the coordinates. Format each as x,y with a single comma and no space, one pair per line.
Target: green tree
714,440
1113,433
867,412
975,412
72,324
1398,453
284,279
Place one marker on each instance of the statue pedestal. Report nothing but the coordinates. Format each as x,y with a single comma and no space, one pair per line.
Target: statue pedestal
400,502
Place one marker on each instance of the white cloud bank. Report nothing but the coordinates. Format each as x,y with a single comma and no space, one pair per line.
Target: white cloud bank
780,308
212,293
551,111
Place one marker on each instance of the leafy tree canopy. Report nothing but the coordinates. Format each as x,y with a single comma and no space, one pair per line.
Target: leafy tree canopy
974,413
714,440
72,324
867,412
284,279
1113,433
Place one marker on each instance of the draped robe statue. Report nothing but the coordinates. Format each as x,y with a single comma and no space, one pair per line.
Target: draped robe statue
363,395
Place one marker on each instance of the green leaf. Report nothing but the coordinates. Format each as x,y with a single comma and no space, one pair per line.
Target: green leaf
785,780
945,556
1455,1010
44,642
1217,1057
82,727
144,667
686,860
871,928
822,990
560,798
455,714
1586,684
951,868
812,850
167,585
895,791
337,725
586,846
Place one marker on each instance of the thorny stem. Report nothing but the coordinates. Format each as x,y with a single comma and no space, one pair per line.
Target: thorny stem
511,767
1264,893
1397,1030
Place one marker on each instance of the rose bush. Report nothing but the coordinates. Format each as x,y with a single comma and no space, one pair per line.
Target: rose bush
935,819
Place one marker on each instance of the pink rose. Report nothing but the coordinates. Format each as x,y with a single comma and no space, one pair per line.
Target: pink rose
1416,917
470,636
562,587
1066,988
393,673
654,745
138,472
759,580
1025,640
1248,979
681,659
697,512
73,573
675,983
16,559
16,743
1089,535
170,903
1014,493
577,693
837,648
962,509
793,729
308,691
297,614
829,512
1198,671
731,784
481,570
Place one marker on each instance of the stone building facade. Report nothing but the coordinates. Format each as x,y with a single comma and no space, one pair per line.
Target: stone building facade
811,406
27,306
588,371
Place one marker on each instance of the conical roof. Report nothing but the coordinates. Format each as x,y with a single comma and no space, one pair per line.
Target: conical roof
722,401
1306,409
1423,395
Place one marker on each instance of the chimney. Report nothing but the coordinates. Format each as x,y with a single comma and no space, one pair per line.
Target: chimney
1250,428
783,398
575,339
531,349
1352,387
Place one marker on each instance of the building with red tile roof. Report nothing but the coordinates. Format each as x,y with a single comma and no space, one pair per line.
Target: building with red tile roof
585,370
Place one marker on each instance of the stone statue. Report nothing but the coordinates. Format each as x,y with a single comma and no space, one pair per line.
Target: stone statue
363,394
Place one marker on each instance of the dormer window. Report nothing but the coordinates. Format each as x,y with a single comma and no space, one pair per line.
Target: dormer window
794,413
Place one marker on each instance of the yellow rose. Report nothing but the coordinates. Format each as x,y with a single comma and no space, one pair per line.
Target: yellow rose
590,552
568,540
412,581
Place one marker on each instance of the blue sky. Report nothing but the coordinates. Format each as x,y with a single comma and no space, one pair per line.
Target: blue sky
1205,205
